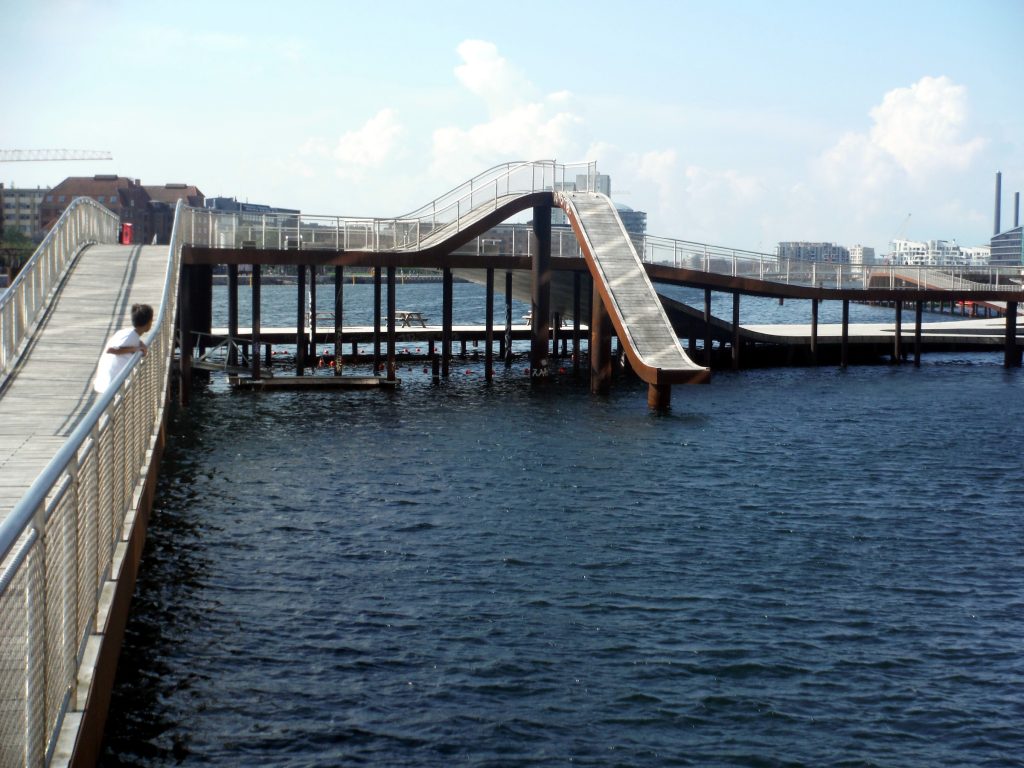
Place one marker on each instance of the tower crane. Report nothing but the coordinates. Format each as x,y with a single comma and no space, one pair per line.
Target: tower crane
36,155
26,155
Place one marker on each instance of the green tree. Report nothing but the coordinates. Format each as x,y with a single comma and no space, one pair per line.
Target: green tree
15,249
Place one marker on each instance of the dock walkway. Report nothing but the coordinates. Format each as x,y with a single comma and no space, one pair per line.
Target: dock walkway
48,393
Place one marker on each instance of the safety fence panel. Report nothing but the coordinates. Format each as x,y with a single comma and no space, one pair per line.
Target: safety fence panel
58,544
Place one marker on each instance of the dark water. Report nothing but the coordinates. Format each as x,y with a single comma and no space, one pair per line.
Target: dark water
793,567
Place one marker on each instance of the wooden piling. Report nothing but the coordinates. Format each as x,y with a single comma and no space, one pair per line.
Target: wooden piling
918,308
489,327
300,322
339,308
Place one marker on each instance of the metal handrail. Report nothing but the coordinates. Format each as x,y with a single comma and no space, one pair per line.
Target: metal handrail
59,541
771,268
83,223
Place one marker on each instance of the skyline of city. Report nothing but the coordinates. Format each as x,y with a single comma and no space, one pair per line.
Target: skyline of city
742,124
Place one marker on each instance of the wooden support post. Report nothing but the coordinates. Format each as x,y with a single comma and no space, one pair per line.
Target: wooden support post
376,320
202,307
814,331
312,316
489,328
600,346
576,308
339,311
659,396
1012,354
256,282
736,331
392,362
844,351
897,341
541,292
707,327
918,308
506,349
446,321
232,314
185,336
301,343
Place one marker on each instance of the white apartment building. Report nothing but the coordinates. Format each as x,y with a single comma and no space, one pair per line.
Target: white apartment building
977,256
933,253
862,256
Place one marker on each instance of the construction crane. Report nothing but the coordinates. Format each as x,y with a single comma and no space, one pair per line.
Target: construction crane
26,155
902,231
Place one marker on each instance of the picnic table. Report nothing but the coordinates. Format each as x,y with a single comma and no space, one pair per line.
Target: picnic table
407,317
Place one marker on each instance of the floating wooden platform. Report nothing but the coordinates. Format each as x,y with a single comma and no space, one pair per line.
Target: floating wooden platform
314,382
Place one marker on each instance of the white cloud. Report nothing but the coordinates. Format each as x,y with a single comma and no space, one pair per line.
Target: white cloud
917,132
521,125
920,126
369,146
692,201
486,74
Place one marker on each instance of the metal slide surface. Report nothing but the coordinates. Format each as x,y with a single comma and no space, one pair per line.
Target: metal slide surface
633,304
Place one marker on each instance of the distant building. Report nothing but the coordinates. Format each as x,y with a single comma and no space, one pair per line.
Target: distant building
1007,248
254,220
977,256
862,256
162,202
21,210
125,197
930,253
825,253
635,222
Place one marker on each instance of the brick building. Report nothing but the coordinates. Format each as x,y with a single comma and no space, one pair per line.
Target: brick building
162,202
125,197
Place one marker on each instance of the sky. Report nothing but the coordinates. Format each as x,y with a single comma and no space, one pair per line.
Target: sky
735,123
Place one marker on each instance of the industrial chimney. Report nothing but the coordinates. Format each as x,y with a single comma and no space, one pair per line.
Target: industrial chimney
1016,209
999,197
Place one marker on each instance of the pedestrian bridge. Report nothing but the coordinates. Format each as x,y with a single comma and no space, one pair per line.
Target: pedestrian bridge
78,470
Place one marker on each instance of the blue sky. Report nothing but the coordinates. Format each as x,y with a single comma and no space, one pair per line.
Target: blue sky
734,123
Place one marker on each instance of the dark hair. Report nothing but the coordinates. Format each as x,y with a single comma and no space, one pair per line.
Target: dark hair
141,315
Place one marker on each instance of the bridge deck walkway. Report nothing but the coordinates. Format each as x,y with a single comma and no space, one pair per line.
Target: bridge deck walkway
50,391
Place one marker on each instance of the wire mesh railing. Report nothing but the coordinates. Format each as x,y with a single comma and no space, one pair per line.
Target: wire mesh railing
84,222
439,219
733,262
58,545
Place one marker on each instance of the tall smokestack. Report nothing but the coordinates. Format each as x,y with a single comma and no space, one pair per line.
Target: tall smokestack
999,197
1016,209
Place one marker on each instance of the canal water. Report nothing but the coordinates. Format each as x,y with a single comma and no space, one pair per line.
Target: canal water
794,567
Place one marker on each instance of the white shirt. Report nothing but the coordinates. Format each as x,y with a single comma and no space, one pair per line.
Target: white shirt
111,365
